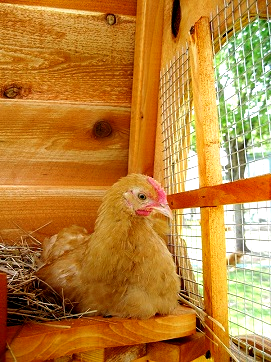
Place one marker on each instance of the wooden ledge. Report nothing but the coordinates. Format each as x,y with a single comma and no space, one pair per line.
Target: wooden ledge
39,342
251,189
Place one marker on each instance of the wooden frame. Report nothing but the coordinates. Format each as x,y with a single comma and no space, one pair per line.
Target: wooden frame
212,218
237,192
148,45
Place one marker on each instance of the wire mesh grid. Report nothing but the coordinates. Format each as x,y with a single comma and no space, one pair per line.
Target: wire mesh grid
249,279
185,245
181,171
242,53
178,126
242,60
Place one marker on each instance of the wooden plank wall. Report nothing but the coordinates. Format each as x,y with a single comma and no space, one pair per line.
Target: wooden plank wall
62,71
105,6
56,55
49,143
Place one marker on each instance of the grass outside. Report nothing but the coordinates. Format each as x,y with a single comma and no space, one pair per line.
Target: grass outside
249,283
249,300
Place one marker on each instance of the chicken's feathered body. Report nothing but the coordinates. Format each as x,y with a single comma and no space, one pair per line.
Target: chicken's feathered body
124,268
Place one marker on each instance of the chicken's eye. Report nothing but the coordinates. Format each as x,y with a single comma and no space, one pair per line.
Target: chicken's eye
142,196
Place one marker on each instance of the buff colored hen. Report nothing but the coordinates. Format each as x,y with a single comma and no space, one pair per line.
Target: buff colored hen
123,268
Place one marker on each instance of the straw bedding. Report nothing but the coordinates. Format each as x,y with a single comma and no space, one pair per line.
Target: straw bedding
29,298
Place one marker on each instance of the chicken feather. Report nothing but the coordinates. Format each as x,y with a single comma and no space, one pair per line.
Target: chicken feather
123,268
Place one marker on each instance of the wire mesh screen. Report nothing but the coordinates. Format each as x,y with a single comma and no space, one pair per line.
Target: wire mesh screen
181,170
241,39
243,79
178,126
249,280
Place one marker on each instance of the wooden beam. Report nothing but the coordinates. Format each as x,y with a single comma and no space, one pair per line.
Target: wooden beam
204,97
212,218
32,342
181,350
236,192
3,315
148,43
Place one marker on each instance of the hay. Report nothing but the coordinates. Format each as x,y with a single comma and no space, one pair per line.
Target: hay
29,298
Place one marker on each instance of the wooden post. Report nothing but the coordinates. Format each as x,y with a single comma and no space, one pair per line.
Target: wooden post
148,44
3,316
212,218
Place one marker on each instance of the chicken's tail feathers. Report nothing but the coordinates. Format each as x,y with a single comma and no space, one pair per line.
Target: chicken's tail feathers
66,240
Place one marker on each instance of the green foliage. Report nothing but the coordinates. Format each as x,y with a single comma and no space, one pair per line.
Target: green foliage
243,78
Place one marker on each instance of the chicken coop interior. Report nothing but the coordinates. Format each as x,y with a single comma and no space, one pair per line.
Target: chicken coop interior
91,91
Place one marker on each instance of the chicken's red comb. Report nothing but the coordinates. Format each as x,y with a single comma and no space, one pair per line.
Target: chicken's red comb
160,191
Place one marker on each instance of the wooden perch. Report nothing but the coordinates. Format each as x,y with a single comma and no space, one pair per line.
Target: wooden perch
39,342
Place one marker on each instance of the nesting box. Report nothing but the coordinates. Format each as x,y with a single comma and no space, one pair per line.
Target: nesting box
92,91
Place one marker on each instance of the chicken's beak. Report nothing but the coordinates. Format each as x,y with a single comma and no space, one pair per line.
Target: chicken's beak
164,209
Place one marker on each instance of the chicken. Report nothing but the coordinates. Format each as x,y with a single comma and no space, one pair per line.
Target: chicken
123,268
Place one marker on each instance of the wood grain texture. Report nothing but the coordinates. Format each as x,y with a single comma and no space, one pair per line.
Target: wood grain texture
38,342
113,354
3,315
236,192
212,218
122,354
32,207
105,6
215,276
49,54
145,85
179,350
206,116
45,143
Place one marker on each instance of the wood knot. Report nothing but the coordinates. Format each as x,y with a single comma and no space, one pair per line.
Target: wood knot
102,129
111,19
12,92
